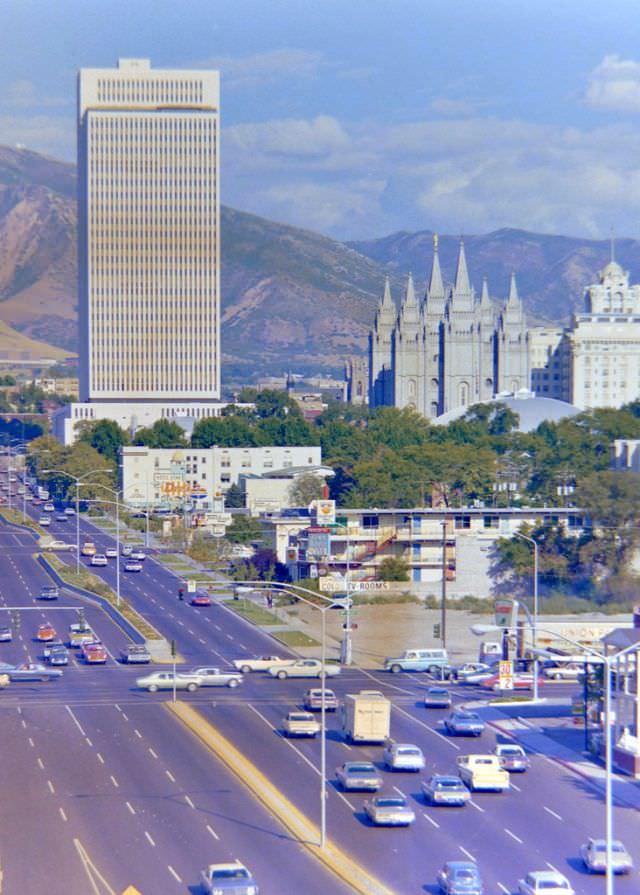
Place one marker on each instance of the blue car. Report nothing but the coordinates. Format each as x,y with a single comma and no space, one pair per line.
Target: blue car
460,878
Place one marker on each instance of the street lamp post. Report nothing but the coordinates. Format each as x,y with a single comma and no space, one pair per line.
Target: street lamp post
117,503
519,534
77,480
607,660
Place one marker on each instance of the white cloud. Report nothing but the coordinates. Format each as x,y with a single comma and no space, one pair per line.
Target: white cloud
325,207
312,138
444,106
614,85
264,69
41,133
19,93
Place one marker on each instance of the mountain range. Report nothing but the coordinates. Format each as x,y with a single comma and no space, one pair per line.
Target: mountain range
291,298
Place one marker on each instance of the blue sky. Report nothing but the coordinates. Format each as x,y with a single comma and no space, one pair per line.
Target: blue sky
359,118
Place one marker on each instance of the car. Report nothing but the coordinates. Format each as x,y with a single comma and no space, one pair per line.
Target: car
59,546
166,680
313,698
131,566
568,672
69,511
471,670
49,592
403,757
304,668
260,663
45,633
48,507
59,655
545,882
437,698
512,757
460,723
94,653
126,550
138,555
88,549
445,789
33,671
98,559
522,680
594,856
44,521
111,552
431,660
200,600
6,634
135,654
50,646
300,724
460,878
389,811
62,518
234,879
359,776
216,677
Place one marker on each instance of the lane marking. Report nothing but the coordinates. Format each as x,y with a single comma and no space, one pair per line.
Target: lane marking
125,717
137,732
504,889
100,758
31,743
213,833
170,776
149,838
189,802
476,806
431,821
513,835
62,814
115,782
89,743
399,791
552,813
173,873
40,764
515,786
130,807
75,720
152,752
465,852
51,787
426,726
551,867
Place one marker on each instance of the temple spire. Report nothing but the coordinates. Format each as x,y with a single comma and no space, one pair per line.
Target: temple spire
410,294
612,240
436,287
462,287
513,290
484,298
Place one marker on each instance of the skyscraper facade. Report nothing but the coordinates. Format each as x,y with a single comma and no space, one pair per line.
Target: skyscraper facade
149,236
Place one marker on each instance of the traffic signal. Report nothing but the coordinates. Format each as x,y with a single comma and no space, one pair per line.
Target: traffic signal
436,630
173,649
16,620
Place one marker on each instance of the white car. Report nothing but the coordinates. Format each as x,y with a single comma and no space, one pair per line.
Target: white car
594,856
164,680
44,521
48,507
260,663
111,552
403,757
60,546
545,882
300,724
234,879
70,511
563,672
304,668
98,559
138,555
216,677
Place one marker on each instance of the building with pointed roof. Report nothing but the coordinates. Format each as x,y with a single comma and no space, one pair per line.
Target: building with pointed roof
450,349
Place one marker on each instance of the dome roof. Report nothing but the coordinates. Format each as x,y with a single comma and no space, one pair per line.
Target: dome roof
611,271
531,410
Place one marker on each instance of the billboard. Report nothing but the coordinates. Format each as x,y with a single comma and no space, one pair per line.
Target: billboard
318,543
326,512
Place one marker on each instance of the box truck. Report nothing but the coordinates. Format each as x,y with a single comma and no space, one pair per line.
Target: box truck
366,717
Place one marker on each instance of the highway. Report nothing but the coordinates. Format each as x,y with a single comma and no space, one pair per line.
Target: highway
97,711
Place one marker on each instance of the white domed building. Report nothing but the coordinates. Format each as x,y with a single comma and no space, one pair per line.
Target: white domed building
531,409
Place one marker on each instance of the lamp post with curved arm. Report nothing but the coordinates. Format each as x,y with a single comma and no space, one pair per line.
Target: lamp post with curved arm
77,479
117,503
519,534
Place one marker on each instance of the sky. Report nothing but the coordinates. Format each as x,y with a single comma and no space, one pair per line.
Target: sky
361,118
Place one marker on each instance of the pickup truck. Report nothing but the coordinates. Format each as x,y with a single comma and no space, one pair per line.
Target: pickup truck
482,772
81,634
304,668
300,724
260,663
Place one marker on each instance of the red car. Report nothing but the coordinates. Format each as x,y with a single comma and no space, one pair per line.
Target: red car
46,633
201,600
94,654
522,680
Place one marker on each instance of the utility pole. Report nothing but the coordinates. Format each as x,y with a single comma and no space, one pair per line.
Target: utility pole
443,602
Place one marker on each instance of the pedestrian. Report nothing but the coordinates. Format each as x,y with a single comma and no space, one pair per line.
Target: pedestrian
181,593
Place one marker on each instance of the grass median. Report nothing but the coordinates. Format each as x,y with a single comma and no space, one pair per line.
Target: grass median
93,584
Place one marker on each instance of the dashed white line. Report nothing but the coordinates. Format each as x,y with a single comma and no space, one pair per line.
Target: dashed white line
465,852
89,743
23,722
552,813
75,721
151,752
100,758
189,802
130,807
124,717
476,806
170,776
515,786
137,732
213,832
431,821
115,782
551,867
31,743
62,814
504,889
51,787
399,791
513,835
149,838
173,873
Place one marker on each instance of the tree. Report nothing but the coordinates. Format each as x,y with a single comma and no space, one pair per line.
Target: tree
106,437
244,530
163,434
225,431
305,488
612,501
264,565
393,568
234,497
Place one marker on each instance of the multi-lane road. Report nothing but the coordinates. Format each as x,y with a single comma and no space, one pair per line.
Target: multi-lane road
106,788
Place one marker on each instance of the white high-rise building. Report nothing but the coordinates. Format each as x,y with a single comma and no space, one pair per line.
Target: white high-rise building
148,245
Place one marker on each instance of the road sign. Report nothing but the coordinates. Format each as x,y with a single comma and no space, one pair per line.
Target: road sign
192,585
505,672
503,613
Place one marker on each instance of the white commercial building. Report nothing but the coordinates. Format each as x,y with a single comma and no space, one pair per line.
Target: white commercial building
148,240
170,477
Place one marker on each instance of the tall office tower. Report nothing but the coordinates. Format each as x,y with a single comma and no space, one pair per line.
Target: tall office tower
149,239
